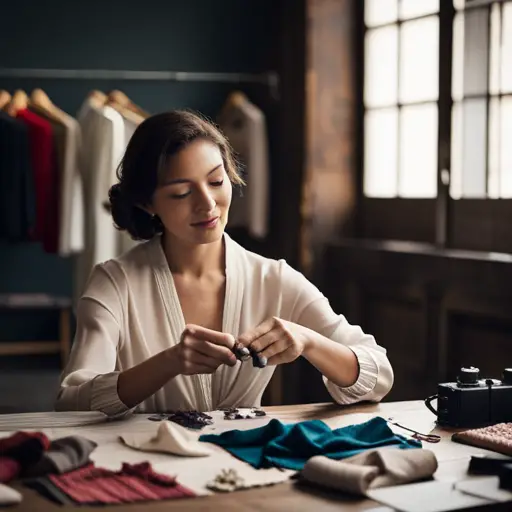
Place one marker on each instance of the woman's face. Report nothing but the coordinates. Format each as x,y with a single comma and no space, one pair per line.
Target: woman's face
193,199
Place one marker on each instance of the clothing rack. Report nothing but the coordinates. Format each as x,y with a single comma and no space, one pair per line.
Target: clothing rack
269,79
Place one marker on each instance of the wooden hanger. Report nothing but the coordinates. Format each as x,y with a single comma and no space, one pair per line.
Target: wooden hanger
98,98
5,98
125,112
41,102
122,99
236,99
18,102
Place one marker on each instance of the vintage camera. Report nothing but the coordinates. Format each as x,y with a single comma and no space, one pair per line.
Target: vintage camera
473,402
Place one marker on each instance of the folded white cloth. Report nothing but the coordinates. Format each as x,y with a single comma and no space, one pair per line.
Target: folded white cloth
169,438
368,470
8,495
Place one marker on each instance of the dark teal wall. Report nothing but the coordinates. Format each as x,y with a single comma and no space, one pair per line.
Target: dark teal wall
193,35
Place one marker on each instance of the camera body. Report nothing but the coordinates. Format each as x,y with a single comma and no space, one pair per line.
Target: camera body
472,402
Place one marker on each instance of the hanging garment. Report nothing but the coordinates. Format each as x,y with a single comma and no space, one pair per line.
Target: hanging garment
291,445
17,194
44,165
71,230
244,125
100,153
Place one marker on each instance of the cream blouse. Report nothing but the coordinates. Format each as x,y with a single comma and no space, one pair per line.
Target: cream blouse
130,311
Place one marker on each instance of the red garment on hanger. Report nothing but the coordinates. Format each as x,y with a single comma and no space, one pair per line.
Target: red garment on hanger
46,179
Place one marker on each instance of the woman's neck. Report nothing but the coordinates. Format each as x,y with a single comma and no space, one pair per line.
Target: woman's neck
195,260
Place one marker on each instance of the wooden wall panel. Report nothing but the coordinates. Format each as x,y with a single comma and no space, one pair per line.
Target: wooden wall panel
481,341
433,310
398,324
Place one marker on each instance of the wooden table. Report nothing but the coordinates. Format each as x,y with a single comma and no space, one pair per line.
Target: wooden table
453,462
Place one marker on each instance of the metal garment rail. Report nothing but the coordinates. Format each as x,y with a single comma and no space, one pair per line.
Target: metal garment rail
270,79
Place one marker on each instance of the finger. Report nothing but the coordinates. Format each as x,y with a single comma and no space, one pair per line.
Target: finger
248,337
275,348
265,341
283,357
216,352
195,358
216,337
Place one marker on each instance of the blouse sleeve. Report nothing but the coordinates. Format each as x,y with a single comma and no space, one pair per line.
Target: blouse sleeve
304,304
89,381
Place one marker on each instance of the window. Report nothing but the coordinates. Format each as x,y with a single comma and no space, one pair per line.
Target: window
401,90
482,102
437,130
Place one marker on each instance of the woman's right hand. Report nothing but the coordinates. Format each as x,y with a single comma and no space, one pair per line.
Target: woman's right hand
202,350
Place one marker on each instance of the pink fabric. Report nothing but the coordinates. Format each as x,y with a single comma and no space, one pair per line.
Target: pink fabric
497,438
137,482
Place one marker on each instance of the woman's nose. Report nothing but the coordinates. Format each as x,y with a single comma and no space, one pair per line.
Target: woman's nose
205,201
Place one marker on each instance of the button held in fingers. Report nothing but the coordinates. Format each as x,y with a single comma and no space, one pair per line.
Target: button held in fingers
242,353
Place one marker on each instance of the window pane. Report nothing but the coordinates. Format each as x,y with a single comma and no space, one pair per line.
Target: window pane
418,151
379,12
506,49
476,33
413,8
380,155
474,148
458,57
419,60
506,147
381,80
493,182
495,50
456,152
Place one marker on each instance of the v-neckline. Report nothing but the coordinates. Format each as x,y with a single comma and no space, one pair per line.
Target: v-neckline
233,294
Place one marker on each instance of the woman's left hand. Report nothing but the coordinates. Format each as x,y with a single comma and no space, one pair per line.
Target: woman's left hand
279,341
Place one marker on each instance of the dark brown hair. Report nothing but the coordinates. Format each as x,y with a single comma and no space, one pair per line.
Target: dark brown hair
139,173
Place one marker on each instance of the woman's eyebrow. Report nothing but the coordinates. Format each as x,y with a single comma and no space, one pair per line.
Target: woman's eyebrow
183,180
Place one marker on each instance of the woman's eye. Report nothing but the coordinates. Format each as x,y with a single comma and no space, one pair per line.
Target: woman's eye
180,196
217,183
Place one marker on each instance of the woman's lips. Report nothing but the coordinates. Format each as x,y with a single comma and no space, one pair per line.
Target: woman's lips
207,224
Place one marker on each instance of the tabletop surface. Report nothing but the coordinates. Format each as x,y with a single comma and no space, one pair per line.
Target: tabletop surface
452,457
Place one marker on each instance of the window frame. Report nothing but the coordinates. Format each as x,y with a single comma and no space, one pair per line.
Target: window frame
477,224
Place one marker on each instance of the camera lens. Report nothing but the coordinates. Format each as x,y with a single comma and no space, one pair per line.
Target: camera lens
468,376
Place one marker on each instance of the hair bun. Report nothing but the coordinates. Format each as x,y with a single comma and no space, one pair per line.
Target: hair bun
119,206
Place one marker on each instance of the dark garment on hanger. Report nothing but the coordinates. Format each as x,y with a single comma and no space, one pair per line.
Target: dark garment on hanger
42,150
17,195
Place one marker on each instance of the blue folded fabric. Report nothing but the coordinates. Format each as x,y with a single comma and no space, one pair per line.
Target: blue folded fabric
291,445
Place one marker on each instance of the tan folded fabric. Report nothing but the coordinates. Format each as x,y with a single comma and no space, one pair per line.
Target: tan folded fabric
8,495
170,438
371,469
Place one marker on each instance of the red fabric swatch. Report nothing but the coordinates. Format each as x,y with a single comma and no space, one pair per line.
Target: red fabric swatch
134,482
20,450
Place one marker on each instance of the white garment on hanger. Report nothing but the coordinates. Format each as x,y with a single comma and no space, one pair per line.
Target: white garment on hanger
244,125
72,221
103,144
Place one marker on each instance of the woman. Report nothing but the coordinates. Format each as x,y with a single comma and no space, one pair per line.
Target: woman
156,326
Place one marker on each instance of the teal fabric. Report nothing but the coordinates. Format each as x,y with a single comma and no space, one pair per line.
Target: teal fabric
291,445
